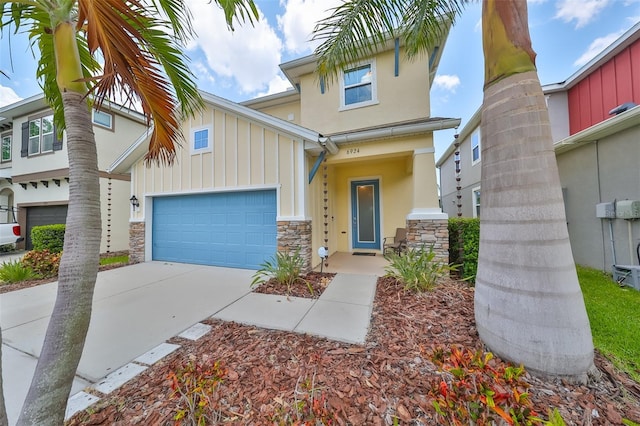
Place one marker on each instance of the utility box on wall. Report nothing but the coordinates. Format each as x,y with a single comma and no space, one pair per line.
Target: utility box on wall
606,211
628,209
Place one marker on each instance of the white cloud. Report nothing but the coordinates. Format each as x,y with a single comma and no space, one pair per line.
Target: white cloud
8,96
582,11
277,84
299,20
596,46
447,82
249,56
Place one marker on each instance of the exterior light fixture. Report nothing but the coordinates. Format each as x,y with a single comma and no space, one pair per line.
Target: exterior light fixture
323,252
134,202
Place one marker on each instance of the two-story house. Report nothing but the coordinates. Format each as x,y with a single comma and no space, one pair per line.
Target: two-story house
596,128
340,166
34,168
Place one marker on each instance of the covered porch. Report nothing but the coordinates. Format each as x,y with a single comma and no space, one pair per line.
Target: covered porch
350,263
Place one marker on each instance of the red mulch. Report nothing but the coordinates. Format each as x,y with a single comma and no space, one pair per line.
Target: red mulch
310,286
267,371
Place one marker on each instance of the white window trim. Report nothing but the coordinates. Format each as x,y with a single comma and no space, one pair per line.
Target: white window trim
476,131
192,141
93,120
40,136
473,201
374,86
10,136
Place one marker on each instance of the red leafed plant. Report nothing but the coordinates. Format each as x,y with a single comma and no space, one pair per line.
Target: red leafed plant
195,385
310,407
473,386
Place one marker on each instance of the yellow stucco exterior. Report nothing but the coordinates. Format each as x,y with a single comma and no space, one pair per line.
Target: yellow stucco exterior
386,141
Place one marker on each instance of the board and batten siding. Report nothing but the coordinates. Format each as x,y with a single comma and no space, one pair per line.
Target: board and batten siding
245,156
614,83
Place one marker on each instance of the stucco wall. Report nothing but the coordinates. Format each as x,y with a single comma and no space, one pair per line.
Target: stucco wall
597,172
558,105
396,187
470,175
408,94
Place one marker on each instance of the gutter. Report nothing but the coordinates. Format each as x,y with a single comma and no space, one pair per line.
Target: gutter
394,131
620,122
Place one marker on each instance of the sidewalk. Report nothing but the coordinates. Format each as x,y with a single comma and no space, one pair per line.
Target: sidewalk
139,307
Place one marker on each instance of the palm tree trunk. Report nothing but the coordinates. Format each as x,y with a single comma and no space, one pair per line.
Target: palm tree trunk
528,304
47,398
3,408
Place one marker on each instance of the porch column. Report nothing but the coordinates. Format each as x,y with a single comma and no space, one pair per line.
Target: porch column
426,223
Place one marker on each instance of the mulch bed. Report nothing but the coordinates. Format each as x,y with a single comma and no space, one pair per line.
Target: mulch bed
309,286
269,374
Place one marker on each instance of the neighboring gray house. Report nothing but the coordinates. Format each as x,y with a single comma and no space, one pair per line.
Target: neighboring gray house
598,154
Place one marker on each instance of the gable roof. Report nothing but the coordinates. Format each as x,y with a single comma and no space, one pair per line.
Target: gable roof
9,113
625,40
139,148
307,64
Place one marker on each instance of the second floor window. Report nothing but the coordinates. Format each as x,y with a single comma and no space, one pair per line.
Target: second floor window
41,135
6,148
201,139
358,86
102,118
475,147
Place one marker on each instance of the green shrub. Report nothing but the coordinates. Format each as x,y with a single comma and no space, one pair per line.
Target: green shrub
7,248
48,237
417,269
469,229
284,268
43,263
14,271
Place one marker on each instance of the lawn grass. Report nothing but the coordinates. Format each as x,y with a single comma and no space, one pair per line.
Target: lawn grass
614,313
114,259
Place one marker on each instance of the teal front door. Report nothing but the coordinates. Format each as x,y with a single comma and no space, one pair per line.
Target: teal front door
365,214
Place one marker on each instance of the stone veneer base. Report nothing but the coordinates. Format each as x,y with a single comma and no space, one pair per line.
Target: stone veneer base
136,242
294,234
427,233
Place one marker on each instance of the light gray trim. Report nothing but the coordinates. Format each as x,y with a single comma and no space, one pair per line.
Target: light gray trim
138,149
616,124
395,131
260,117
123,163
468,128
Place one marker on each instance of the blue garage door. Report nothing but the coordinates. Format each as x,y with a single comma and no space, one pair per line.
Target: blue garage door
235,229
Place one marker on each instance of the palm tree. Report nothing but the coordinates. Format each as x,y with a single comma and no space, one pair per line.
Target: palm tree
91,50
528,304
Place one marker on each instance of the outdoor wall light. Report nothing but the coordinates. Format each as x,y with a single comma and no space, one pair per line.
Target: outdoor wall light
134,202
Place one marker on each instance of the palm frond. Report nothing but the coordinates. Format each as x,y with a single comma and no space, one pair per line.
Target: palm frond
242,10
359,28
142,61
425,22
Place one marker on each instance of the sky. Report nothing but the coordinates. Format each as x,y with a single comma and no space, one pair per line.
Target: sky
243,64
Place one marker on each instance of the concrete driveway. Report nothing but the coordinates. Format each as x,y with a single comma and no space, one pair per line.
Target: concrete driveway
135,308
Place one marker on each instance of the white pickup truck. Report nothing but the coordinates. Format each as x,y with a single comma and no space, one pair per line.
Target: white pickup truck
9,232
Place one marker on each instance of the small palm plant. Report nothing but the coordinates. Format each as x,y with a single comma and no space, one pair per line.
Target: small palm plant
14,271
417,269
283,267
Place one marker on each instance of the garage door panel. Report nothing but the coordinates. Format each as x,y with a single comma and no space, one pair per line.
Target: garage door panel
225,229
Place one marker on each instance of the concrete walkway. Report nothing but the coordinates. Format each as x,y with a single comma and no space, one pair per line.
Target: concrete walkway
137,308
